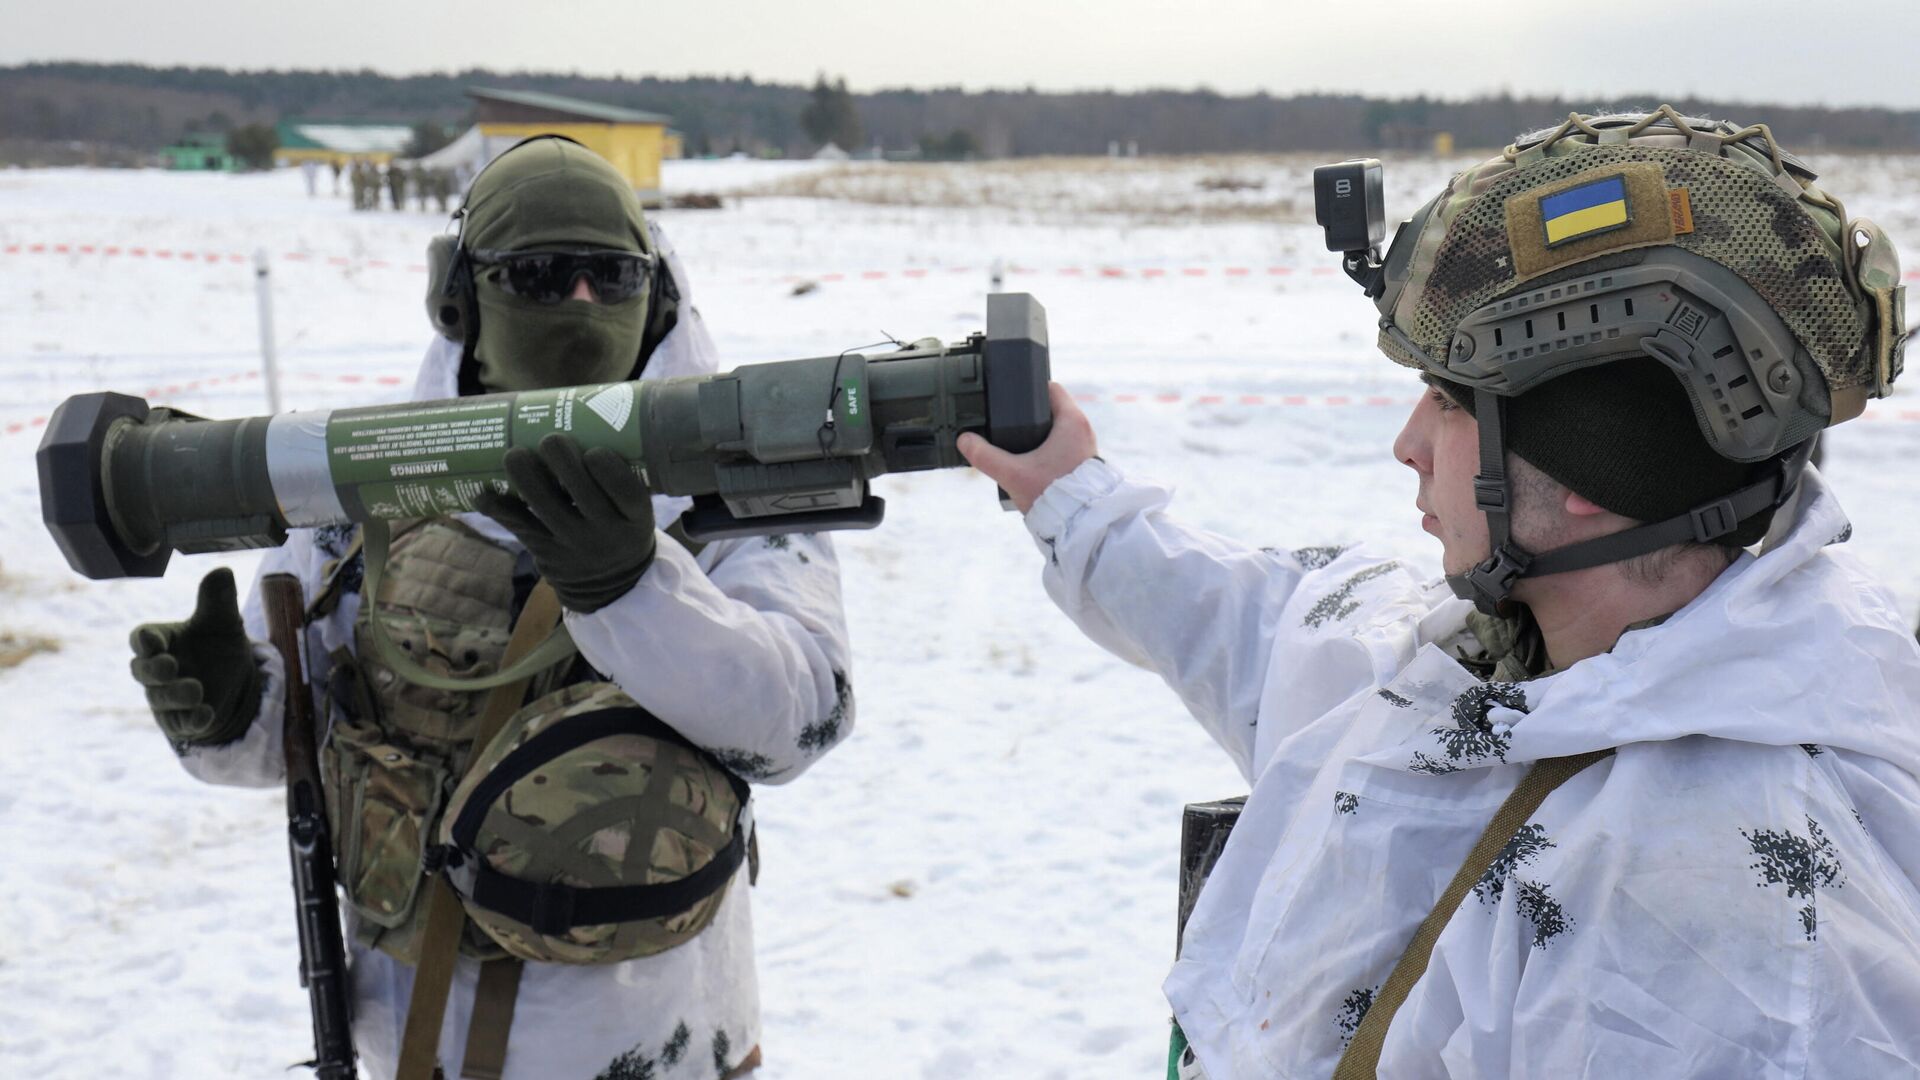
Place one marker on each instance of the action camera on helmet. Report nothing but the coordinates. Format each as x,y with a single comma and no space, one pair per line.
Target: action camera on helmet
1349,205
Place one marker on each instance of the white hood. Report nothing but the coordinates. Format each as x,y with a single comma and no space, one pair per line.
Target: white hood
1798,645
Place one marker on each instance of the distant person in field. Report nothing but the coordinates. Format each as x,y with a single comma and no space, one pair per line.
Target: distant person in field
1629,793
366,186
703,666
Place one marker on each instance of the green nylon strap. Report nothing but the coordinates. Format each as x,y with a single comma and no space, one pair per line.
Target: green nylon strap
432,978
1362,1058
493,1000
446,916
557,647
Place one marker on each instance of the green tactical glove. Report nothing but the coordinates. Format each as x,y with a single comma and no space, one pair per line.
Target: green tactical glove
586,519
202,683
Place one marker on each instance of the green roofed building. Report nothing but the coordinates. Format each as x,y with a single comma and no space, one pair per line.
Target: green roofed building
200,151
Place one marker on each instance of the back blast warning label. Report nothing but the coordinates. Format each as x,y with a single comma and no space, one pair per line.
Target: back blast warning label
433,458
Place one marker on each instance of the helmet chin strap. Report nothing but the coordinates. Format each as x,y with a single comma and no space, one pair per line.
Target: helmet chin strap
1489,584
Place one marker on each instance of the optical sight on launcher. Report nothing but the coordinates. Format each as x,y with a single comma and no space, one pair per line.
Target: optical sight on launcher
764,448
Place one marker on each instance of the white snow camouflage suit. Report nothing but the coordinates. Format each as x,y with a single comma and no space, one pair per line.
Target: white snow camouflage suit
1731,894
742,649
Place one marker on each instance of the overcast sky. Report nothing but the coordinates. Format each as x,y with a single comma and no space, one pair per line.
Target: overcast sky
1840,52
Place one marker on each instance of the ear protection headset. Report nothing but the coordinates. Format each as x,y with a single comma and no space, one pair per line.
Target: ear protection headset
454,311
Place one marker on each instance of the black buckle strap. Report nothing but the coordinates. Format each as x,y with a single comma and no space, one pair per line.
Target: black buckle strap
437,857
1713,520
1703,524
1492,488
552,911
1491,580
554,908
1490,494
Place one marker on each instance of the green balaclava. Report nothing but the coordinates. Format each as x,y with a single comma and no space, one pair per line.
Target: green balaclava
553,195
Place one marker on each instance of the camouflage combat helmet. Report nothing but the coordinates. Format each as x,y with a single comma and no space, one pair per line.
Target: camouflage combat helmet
587,832
1698,243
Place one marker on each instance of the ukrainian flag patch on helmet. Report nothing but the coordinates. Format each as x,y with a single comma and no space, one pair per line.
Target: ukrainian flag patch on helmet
1591,208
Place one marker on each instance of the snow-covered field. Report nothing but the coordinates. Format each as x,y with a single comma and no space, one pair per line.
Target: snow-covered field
980,883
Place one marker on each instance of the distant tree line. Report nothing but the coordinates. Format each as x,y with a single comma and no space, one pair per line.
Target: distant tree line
832,115
142,108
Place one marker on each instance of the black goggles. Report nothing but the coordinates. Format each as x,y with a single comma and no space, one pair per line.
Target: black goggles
547,277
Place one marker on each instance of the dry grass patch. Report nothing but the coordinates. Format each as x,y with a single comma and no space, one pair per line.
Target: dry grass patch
17,649
1242,187
1227,188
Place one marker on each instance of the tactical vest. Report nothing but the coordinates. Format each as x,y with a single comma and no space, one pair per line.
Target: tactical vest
585,831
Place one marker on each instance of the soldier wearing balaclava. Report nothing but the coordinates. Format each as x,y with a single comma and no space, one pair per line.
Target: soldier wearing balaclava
738,647
552,196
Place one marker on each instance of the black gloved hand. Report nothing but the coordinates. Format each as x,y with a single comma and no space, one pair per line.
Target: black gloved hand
586,519
202,683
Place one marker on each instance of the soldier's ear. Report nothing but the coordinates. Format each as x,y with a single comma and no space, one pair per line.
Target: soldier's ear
1580,506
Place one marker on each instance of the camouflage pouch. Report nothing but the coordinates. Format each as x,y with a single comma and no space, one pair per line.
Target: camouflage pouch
589,832
382,799
445,600
1876,265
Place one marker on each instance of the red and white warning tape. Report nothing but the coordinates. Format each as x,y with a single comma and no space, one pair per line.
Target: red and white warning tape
1137,273
174,390
1316,269
135,251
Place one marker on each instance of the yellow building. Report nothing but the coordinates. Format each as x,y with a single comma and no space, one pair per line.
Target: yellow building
634,141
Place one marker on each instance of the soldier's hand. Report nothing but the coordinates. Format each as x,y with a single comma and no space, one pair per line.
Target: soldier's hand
585,517
202,682
1025,477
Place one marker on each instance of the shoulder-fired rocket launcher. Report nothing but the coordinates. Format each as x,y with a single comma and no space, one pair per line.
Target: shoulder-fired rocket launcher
764,448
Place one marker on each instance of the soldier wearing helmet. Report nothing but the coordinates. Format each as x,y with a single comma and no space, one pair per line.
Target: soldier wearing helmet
1629,791
569,834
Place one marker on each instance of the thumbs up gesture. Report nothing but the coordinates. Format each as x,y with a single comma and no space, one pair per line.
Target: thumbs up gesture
202,683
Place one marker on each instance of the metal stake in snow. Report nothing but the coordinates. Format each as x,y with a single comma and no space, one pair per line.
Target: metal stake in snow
263,292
